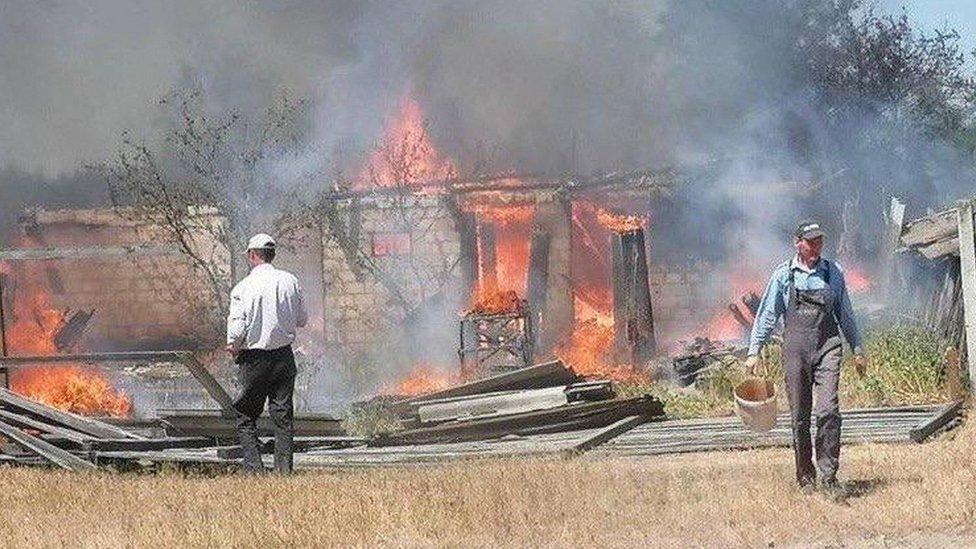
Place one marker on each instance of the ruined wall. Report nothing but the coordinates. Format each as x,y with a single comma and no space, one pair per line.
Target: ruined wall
141,301
385,261
683,298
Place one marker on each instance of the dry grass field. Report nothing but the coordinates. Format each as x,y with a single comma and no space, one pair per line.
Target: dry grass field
909,494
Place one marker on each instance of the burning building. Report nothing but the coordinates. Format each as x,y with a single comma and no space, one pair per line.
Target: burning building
407,265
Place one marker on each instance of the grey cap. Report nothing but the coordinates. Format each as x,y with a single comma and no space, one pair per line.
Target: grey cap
808,230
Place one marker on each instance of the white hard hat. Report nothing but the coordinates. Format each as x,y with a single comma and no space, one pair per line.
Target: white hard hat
261,241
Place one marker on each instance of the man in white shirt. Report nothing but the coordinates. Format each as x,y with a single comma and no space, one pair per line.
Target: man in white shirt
266,308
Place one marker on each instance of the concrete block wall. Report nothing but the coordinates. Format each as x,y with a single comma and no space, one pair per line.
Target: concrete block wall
140,302
682,297
358,307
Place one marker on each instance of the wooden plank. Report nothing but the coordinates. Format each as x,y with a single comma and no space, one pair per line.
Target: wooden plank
967,264
491,404
928,427
537,286
81,424
300,445
941,248
97,358
50,452
23,421
610,432
213,423
930,229
634,338
149,444
547,374
213,388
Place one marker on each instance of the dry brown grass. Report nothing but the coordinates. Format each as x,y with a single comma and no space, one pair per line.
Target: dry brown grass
716,499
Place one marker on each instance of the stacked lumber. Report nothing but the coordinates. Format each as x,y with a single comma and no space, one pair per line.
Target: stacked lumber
540,399
37,434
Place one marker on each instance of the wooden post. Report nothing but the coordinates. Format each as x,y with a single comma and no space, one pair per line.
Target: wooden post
3,337
488,267
468,252
967,272
895,218
953,385
633,317
538,282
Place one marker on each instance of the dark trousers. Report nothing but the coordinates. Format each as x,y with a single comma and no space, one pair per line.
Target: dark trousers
266,376
811,384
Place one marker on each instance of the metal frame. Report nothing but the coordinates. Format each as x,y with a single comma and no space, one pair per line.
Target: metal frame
492,343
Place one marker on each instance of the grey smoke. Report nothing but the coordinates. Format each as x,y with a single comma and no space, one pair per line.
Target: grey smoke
539,86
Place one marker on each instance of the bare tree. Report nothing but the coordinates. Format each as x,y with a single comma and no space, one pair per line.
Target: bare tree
209,182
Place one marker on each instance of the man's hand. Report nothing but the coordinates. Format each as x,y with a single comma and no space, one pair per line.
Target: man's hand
231,350
860,364
751,364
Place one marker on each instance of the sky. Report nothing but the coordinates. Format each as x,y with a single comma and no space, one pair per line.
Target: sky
933,14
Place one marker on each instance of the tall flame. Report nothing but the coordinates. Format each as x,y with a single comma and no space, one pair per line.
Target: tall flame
406,155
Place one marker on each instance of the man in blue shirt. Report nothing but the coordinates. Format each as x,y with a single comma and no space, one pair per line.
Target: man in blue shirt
810,294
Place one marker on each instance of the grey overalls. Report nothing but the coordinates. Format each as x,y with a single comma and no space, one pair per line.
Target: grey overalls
811,357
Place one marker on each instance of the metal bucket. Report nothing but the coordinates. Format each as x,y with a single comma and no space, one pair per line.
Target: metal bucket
755,403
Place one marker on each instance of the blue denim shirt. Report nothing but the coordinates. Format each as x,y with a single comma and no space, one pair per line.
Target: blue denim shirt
776,298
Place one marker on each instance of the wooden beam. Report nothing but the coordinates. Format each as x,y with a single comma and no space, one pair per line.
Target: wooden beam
94,252
50,452
81,424
537,286
547,374
214,423
23,421
211,385
301,444
928,427
492,404
607,433
633,317
967,264
93,358
583,415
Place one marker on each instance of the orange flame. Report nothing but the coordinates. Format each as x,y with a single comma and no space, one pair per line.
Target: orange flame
32,331
502,215
406,155
620,223
422,380
495,301
73,389
588,352
857,280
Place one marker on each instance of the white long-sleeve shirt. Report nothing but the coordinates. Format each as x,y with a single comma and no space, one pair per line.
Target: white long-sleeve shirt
266,307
